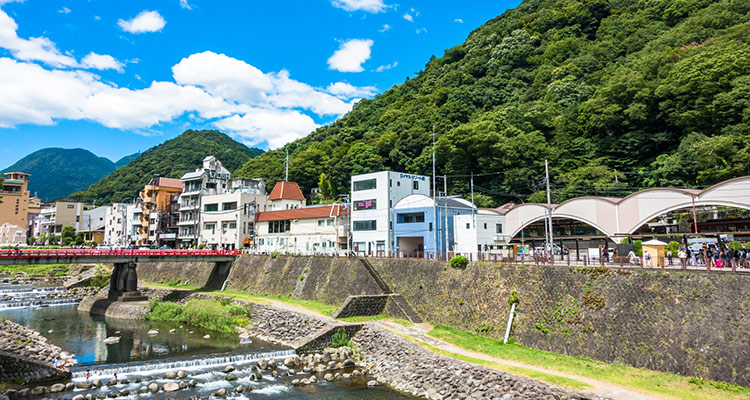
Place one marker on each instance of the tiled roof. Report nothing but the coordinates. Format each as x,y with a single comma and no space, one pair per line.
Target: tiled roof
286,190
334,210
168,182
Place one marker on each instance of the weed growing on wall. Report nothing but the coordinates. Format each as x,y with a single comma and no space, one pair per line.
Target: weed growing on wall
340,339
459,262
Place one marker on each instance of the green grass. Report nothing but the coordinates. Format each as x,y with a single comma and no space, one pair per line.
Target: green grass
365,319
31,269
529,373
662,384
172,287
403,322
207,314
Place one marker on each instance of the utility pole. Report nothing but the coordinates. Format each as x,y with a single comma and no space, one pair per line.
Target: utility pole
549,206
473,218
434,192
445,188
286,174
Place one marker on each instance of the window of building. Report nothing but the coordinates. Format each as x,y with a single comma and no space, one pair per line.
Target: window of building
430,226
209,225
279,226
324,244
499,228
70,206
410,218
210,185
211,207
229,225
260,241
229,206
365,185
78,218
390,182
398,183
415,185
364,205
329,222
468,225
369,225
321,222
485,225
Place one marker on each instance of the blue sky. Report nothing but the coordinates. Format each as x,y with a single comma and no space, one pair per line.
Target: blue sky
120,77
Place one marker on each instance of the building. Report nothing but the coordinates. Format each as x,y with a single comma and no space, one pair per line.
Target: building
211,179
14,201
93,223
483,232
307,230
157,205
227,220
60,214
373,196
33,220
12,234
133,224
416,230
286,196
116,225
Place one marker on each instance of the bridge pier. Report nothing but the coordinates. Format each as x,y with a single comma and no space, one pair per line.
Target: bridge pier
123,285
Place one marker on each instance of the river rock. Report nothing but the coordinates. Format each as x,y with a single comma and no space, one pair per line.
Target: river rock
78,397
111,340
313,379
229,368
112,382
88,396
292,371
124,393
56,388
289,362
328,377
38,391
143,389
153,332
231,377
69,386
170,375
98,382
356,373
221,393
125,381
239,389
373,383
305,381
274,373
192,383
183,385
326,357
272,363
349,363
245,341
170,387
262,363
112,395
172,330
153,388
138,380
101,396
208,337
295,382
24,392
181,374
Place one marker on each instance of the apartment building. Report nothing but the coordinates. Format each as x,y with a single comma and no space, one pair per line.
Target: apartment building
483,232
307,230
373,196
14,208
227,220
158,205
116,225
211,179
423,225
60,214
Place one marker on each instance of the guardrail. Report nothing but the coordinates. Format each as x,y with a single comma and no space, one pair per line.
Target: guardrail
32,253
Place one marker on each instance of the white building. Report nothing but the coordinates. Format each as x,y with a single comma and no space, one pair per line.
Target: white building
308,230
483,232
12,234
211,179
228,220
285,196
372,201
133,223
116,225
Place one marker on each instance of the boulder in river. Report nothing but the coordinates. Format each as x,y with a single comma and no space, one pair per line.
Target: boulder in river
153,332
171,387
111,340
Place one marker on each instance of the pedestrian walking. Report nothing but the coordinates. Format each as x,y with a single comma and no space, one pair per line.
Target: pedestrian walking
682,255
647,258
88,375
632,258
669,256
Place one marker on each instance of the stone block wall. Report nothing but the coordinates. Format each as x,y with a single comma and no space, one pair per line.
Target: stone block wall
362,306
14,366
195,274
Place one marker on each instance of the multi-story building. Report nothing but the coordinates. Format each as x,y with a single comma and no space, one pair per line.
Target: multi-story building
286,196
373,196
157,200
60,214
307,230
227,220
116,225
12,234
482,232
33,220
420,224
133,224
211,179
93,223
14,198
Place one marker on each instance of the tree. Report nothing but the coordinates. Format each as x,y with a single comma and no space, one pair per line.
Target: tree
42,239
53,240
79,239
326,187
67,236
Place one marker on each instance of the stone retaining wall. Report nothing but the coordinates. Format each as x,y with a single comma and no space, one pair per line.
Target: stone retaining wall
108,308
362,306
26,354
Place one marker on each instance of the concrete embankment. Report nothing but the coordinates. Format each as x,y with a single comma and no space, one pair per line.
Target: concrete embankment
26,356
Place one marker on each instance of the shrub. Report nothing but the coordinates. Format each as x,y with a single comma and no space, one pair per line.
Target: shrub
201,246
513,298
485,328
211,315
163,311
174,283
674,246
99,280
340,339
459,262
638,247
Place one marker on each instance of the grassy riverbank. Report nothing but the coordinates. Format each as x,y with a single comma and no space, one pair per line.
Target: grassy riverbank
33,269
661,384
207,314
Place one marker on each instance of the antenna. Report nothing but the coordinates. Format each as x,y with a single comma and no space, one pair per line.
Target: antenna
286,174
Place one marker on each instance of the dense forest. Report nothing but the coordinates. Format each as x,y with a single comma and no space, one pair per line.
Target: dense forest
56,172
172,159
618,95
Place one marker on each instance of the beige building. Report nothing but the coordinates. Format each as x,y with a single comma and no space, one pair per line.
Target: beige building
14,196
12,234
156,206
60,214
307,230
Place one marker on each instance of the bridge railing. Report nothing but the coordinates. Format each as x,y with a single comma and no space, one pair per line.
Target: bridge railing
42,253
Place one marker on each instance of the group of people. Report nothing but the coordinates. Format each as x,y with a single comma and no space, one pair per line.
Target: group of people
710,257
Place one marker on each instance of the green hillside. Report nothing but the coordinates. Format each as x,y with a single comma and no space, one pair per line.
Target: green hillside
56,172
125,160
172,159
617,94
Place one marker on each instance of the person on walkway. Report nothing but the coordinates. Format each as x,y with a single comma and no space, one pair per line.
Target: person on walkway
647,259
88,375
669,256
632,258
605,254
683,258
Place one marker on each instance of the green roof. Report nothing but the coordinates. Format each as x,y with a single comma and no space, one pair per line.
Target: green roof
14,181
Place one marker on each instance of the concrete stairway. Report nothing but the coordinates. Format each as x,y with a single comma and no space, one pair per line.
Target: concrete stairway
378,280
398,300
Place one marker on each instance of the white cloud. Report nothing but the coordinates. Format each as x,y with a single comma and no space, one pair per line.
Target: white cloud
32,49
276,127
351,55
289,93
386,67
97,18
347,91
101,61
146,21
421,30
384,28
184,4
459,20
64,10
408,17
371,6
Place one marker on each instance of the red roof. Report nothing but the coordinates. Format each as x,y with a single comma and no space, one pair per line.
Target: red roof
166,182
334,210
286,190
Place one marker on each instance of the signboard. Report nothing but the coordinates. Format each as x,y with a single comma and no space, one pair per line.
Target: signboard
364,205
414,177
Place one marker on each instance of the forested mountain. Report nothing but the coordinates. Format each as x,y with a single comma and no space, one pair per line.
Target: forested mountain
172,159
125,160
56,172
617,94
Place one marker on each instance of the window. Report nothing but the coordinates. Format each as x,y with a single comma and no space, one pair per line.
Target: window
210,185
229,206
321,222
398,183
210,226
78,218
364,205
229,225
468,225
70,206
369,225
329,222
485,225
279,226
260,241
415,185
410,218
211,207
430,226
499,228
365,185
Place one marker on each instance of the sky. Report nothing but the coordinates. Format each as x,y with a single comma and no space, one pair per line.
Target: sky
120,77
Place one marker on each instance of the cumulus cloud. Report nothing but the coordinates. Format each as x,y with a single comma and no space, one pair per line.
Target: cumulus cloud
421,30
276,127
32,49
347,91
184,4
408,17
351,55
384,28
64,10
101,61
459,20
386,67
371,6
146,21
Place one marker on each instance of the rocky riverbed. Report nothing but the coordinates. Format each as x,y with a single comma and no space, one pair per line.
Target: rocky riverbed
26,356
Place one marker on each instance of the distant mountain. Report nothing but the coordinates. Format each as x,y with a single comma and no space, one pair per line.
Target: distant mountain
125,160
172,159
56,173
